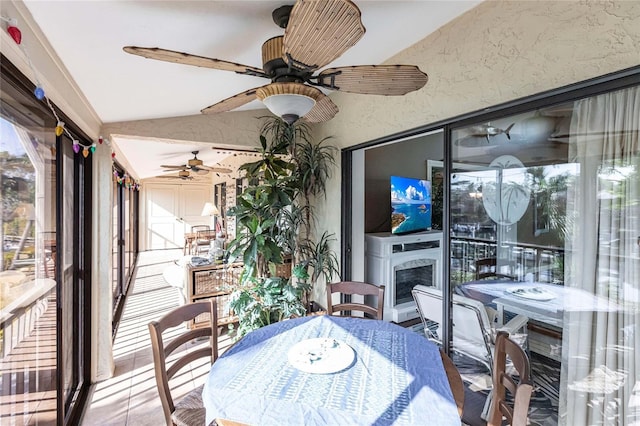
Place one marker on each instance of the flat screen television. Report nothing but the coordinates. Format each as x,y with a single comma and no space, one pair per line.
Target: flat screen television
410,205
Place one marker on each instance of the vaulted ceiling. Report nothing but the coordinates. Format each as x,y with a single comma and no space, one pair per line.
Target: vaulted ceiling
89,36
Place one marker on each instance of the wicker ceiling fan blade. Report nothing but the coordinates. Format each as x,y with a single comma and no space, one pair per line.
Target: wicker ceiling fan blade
164,166
176,177
200,170
390,80
232,103
323,110
188,59
320,31
215,169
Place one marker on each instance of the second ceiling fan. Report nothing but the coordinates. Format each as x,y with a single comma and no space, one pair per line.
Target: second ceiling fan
194,165
316,33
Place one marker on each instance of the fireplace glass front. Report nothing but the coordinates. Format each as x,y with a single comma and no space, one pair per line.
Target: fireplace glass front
412,273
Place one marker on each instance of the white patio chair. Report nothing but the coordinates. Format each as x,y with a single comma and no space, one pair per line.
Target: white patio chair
473,333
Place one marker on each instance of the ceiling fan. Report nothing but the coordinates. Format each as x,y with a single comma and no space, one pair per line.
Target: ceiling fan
316,33
194,165
182,174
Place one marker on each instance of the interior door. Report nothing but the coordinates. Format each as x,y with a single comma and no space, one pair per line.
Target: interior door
192,200
164,226
171,210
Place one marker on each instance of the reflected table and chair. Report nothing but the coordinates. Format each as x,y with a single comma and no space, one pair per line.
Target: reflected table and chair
331,370
542,302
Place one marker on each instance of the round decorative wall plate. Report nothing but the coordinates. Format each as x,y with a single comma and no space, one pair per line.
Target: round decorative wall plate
507,198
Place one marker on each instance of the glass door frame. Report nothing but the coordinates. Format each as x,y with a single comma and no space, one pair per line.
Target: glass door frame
70,410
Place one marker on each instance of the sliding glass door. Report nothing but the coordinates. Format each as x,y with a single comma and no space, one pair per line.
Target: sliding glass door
545,233
125,238
45,212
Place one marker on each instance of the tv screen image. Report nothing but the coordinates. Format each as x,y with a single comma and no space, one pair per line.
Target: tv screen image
410,205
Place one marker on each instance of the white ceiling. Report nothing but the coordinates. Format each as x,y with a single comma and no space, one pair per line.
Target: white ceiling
89,35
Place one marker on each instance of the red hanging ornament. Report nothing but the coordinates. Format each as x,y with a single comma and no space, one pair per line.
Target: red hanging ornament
113,155
14,32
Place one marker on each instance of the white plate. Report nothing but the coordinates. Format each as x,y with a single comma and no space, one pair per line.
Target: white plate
531,293
321,356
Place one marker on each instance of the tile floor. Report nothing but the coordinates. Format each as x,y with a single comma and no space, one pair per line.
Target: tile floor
130,397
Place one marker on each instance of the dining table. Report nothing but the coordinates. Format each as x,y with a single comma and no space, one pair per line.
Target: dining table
330,370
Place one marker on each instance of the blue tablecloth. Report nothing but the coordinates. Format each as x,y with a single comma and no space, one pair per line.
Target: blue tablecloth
397,378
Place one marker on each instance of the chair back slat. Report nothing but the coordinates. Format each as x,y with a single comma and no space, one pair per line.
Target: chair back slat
197,228
186,359
354,307
488,268
189,336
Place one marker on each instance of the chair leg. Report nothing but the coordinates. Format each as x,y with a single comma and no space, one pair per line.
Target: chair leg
486,410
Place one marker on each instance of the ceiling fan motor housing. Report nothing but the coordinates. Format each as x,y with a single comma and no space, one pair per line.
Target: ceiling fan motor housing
281,15
194,162
276,67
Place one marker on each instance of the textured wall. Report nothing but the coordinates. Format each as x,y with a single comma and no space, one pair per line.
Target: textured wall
498,51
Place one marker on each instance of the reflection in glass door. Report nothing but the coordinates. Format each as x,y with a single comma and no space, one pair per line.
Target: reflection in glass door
28,262
544,236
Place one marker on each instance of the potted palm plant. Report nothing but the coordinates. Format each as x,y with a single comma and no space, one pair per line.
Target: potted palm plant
275,221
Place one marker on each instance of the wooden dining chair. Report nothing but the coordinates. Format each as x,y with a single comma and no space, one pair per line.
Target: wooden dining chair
202,240
520,390
487,268
190,409
455,381
355,288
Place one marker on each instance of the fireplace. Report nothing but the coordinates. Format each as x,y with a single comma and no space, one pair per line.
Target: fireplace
408,275
400,262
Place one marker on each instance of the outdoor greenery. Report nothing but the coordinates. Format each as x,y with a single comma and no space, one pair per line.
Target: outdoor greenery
17,188
275,221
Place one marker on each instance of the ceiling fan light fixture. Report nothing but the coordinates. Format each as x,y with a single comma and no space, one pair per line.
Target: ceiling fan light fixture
289,101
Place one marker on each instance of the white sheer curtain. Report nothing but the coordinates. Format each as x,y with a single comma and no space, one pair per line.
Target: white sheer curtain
601,346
